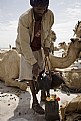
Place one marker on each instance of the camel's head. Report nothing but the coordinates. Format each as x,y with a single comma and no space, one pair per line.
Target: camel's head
76,42
62,45
77,30
53,36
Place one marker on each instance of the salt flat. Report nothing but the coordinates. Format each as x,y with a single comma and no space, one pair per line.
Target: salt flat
15,105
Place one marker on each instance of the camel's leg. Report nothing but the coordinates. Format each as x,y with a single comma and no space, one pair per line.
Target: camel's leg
14,83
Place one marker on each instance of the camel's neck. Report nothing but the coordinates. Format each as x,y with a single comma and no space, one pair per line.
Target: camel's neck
58,62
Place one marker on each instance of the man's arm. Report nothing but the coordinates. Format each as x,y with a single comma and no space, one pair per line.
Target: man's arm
51,22
24,38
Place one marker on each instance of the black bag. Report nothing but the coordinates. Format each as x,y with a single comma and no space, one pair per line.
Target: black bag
52,111
49,80
44,81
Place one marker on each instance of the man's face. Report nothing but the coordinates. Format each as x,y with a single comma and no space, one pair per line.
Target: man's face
40,10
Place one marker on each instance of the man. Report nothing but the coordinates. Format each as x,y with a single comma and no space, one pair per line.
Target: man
33,34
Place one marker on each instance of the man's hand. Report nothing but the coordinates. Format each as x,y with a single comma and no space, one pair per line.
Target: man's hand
46,51
35,69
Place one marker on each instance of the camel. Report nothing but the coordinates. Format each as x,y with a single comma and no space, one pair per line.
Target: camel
77,30
63,46
9,69
64,62
77,33
52,40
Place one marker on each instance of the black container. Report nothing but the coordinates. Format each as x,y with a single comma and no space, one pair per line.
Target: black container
52,110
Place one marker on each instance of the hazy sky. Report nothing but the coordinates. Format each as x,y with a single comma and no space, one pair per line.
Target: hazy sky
67,13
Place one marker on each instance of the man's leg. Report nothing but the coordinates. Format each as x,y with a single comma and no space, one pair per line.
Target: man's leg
43,95
35,105
26,75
